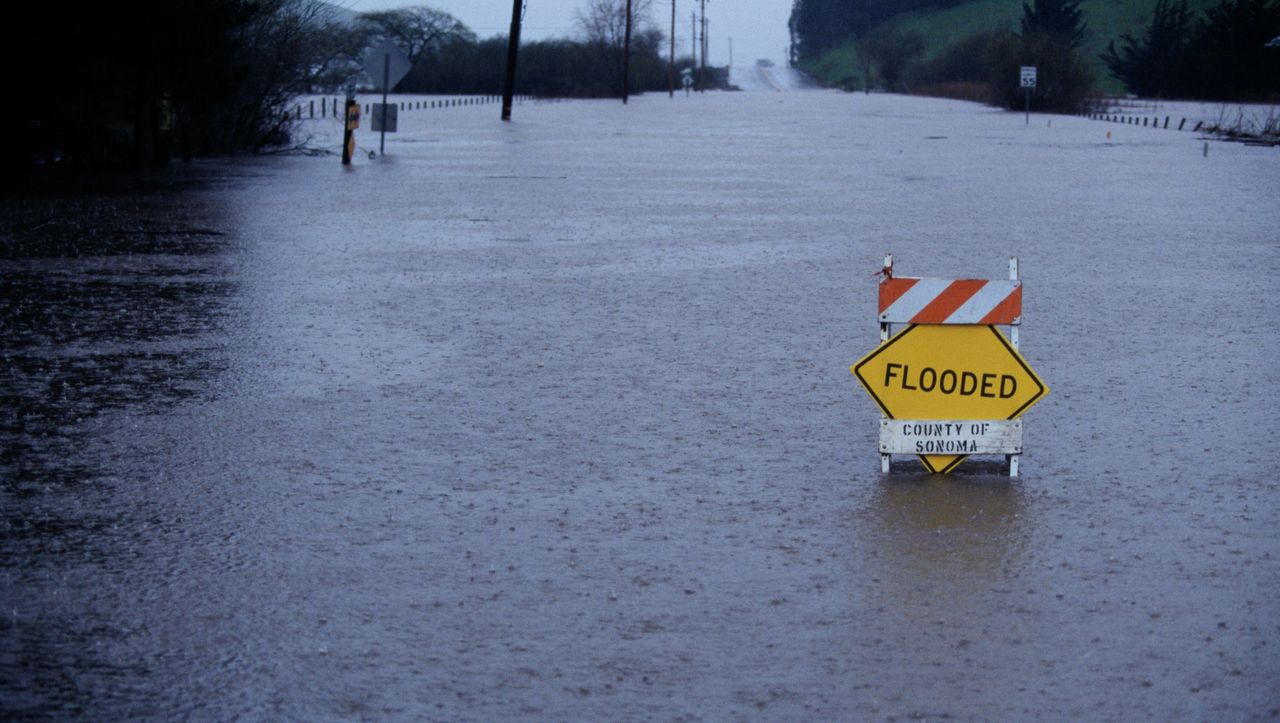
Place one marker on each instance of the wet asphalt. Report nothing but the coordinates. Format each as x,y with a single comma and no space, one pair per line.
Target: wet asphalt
554,420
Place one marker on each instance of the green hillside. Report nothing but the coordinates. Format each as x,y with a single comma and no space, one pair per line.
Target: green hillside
1107,20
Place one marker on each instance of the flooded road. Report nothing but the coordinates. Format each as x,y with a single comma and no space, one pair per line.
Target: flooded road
554,420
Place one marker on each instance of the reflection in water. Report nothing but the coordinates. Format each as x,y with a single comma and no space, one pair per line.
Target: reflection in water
101,307
110,310
955,533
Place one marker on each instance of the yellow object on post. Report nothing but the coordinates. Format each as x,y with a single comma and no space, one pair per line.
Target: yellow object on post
352,122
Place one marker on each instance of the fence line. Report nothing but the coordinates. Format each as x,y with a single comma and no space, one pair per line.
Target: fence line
1251,138
329,106
1147,121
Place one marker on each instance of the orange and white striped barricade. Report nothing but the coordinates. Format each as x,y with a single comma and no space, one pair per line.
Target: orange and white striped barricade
949,383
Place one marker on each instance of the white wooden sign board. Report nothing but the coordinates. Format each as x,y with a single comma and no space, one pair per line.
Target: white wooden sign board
950,436
1028,76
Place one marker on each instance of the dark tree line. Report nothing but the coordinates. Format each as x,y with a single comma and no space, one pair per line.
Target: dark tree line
1222,55
561,68
819,25
1062,20
448,58
982,67
133,84
1228,53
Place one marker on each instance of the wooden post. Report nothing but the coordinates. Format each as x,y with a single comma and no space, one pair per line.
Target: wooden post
626,56
513,45
671,58
702,80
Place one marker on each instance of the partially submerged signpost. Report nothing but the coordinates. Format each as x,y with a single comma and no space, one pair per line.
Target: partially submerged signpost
351,121
385,65
949,384
1027,78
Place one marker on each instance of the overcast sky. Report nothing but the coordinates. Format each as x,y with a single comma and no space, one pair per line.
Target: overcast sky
758,27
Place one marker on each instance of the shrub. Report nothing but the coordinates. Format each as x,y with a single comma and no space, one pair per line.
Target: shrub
1063,82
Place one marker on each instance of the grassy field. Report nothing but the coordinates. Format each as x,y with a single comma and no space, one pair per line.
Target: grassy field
1107,21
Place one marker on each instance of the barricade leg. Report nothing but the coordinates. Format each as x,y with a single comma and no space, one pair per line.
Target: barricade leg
885,331
1013,341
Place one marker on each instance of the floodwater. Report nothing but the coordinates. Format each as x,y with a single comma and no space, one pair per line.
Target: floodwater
554,419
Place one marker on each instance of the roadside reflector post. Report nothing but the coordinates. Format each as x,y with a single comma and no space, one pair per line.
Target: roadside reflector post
949,384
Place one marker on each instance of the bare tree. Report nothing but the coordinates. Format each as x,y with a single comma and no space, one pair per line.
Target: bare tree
604,22
418,31
604,26
287,47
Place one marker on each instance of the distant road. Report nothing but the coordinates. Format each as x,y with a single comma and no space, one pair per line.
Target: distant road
759,78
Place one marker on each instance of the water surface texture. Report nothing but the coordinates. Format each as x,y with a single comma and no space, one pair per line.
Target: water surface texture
554,419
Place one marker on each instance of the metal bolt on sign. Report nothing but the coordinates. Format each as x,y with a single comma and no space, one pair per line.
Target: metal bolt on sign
949,384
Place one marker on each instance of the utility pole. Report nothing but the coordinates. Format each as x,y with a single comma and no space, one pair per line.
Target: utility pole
702,70
513,44
730,51
706,47
671,60
693,48
626,57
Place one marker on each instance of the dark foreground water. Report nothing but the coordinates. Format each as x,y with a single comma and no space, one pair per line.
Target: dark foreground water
555,420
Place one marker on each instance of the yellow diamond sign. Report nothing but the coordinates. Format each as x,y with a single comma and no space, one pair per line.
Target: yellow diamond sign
936,371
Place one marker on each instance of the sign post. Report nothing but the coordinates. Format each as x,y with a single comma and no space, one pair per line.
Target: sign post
1028,80
386,76
950,384
387,64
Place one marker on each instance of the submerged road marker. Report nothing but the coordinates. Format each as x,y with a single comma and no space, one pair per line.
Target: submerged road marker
949,384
